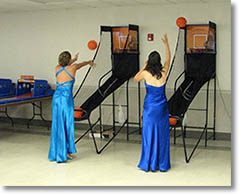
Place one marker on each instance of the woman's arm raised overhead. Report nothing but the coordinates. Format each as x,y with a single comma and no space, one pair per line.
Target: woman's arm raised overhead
168,54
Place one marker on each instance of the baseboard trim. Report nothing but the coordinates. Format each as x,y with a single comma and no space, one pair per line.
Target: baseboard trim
82,126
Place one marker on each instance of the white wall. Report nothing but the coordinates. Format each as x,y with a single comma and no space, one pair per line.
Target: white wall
31,41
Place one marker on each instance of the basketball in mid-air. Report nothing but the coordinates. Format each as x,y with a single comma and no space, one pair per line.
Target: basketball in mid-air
92,45
181,22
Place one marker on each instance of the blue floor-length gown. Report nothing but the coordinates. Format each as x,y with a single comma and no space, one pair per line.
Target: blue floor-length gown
155,131
62,132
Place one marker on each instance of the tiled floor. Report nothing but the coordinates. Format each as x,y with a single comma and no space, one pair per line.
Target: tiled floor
23,162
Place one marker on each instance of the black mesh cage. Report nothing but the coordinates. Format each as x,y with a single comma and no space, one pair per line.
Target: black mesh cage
200,66
125,65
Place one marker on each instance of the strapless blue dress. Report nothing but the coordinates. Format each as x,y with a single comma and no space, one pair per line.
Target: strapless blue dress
155,131
62,132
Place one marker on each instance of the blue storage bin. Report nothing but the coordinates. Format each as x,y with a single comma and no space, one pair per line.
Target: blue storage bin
6,87
23,88
40,88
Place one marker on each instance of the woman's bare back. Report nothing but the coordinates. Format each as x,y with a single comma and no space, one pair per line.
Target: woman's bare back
63,76
151,80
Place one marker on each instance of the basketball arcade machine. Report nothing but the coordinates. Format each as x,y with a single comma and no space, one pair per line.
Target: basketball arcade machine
199,69
200,62
125,64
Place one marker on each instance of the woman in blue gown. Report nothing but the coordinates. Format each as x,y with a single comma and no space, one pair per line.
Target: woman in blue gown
62,132
155,128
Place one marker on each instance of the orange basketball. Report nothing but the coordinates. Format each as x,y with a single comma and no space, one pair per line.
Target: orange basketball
78,112
172,121
181,22
92,45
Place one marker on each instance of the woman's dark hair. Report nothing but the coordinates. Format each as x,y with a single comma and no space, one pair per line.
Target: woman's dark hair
64,58
154,65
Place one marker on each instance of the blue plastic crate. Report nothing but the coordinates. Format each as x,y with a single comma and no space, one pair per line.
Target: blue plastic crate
40,88
50,91
6,87
23,88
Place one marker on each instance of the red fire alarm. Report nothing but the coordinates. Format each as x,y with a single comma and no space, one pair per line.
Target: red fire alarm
150,37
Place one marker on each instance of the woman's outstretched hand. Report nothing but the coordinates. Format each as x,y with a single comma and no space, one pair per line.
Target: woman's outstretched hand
92,64
165,39
76,56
